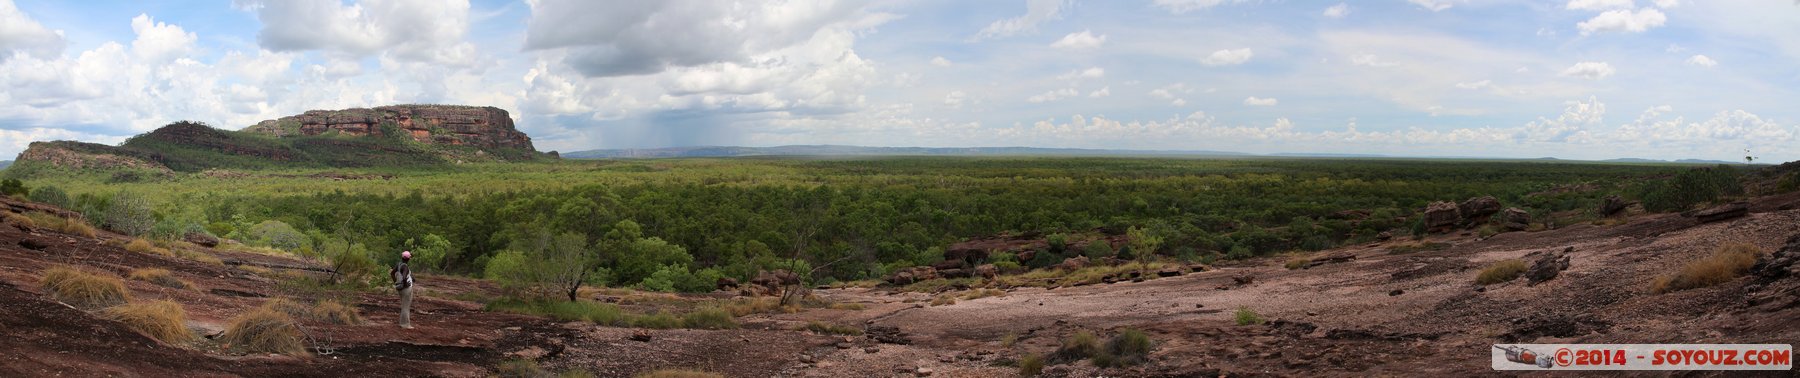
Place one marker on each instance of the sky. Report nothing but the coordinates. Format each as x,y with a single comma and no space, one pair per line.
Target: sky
1577,79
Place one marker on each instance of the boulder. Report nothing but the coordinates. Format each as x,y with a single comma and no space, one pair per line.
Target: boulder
988,271
1546,268
1385,236
726,283
770,283
1515,219
1784,263
955,273
1026,256
201,239
1169,272
1723,212
1073,263
966,255
1613,205
1441,216
1478,209
1335,258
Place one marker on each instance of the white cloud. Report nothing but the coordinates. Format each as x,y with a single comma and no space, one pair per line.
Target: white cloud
609,39
1370,60
1054,95
1103,92
940,61
1589,70
159,42
1600,5
1179,102
1674,49
20,33
1085,40
1036,12
1337,11
1572,126
1475,85
1184,6
1433,5
408,30
1623,21
955,99
1171,91
1703,61
1666,4
1228,57
1254,101
1089,73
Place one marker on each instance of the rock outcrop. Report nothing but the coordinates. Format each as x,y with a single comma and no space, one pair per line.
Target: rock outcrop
1723,212
483,127
1613,205
79,155
1441,216
1515,219
1476,210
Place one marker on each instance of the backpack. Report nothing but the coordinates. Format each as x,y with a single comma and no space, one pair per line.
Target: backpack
405,279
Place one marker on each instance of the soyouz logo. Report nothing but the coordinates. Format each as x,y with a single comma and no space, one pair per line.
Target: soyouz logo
1642,356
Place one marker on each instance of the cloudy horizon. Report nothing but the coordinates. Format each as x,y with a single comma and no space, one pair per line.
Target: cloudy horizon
1578,79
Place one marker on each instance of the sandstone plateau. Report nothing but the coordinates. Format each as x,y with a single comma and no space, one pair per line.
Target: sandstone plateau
484,127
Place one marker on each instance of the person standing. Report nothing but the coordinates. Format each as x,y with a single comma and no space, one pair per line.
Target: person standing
403,282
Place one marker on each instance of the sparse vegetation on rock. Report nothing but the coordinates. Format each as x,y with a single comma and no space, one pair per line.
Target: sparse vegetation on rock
162,320
1245,316
160,276
84,290
1502,271
264,330
1725,264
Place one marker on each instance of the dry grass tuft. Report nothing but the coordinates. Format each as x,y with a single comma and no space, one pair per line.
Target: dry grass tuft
163,320
1297,263
824,328
198,256
944,299
84,290
328,312
1729,262
264,330
160,276
1505,270
55,223
983,293
146,247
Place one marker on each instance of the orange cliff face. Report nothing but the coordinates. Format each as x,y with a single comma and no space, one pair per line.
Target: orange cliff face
484,127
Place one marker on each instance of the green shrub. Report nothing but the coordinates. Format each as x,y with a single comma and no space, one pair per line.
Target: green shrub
1081,345
1129,347
12,187
1505,270
1097,249
1727,263
276,234
1245,317
1689,188
50,195
129,213
659,320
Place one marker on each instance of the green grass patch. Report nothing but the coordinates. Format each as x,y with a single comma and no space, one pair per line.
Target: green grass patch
824,328
1245,316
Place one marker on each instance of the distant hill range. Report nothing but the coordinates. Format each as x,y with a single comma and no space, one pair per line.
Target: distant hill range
5,163
389,136
835,150
1682,161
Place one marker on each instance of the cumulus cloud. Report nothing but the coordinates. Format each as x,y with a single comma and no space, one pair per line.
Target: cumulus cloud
1085,40
1089,73
1589,70
1600,5
159,42
605,38
20,33
1228,57
1053,95
955,99
1184,6
1702,60
1338,11
1036,12
1433,5
1370,60
409,30
940,61
1572,126
1254,101
1623,21
1475,84
1103,92
1665,4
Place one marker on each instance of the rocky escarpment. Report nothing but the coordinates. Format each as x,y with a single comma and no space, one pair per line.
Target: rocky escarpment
79,155
482,127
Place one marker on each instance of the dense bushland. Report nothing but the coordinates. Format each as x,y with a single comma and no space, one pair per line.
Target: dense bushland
679,225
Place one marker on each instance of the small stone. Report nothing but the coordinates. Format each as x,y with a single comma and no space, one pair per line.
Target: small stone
923,372
1197,305
1396,292
640,335
1311,313
806,358
844,345
871,350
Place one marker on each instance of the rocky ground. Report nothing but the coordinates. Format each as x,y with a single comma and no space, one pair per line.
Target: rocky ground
1381,313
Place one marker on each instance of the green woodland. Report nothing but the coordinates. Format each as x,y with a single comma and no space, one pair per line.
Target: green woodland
679,224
